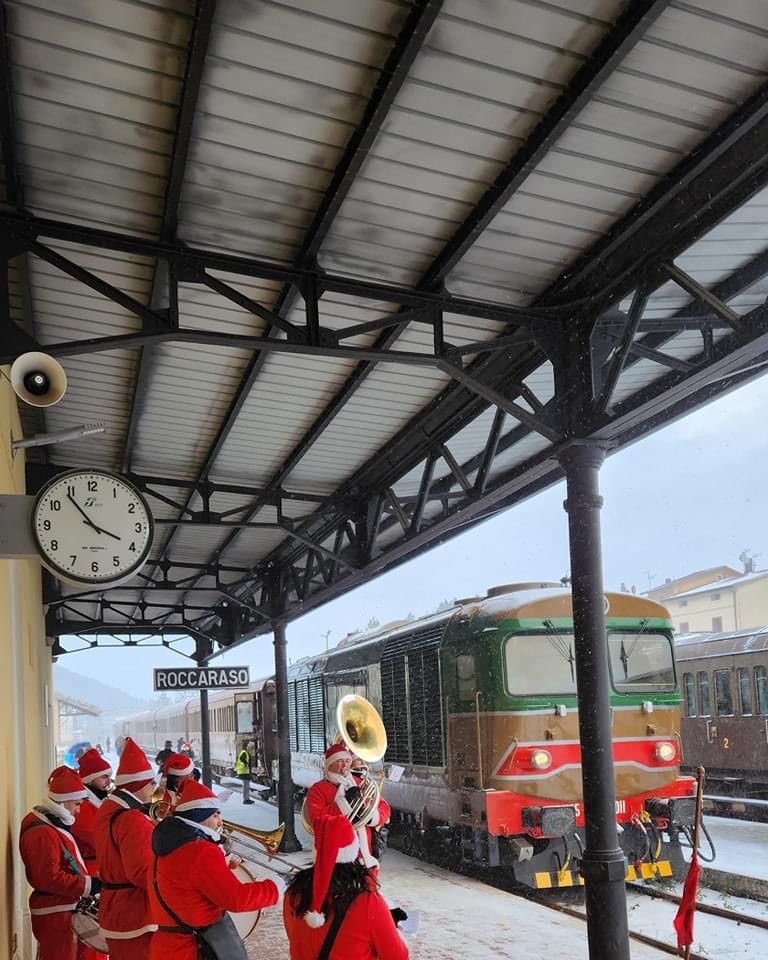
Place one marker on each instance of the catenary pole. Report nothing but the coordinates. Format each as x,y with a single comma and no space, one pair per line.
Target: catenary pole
290,841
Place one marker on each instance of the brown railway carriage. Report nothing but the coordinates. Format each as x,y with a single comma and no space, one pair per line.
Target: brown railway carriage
724,686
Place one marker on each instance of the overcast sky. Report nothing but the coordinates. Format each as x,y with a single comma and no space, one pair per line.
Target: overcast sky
688,497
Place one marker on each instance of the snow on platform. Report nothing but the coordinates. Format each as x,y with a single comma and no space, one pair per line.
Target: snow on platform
741,847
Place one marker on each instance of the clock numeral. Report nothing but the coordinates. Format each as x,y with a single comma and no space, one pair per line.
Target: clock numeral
46,524
95,566
115,561
137,527
55,505
54,544
114,493
70,489
132,547
93,486
131,508
72,559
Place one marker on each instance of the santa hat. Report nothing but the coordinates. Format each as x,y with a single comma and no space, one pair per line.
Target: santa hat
92,765
178,765
337,751
65,784
134,770
335,842
197,802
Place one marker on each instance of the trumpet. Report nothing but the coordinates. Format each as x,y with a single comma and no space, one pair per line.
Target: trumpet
362,731
159,807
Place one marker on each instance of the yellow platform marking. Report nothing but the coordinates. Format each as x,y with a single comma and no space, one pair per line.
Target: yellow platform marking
570,878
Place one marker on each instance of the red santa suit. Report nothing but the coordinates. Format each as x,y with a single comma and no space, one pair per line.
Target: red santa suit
54,866
123,834
193,878
91,766
327,798
367,931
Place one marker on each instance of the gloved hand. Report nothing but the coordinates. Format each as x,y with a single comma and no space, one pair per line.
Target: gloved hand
352,794
95,886
398,915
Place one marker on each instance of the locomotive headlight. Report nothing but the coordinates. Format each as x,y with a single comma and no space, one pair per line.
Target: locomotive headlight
665,751
541,759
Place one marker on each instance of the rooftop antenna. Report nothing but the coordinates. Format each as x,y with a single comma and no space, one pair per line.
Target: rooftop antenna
325,637
651,577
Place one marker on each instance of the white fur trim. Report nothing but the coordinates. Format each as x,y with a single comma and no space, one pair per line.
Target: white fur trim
75,795
341,800
62,908
56,810
180,771
92,798
349,853
314,919
279,882
106,772
339,755
121,778
204,803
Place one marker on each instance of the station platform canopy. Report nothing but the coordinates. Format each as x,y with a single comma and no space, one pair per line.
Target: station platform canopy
330,271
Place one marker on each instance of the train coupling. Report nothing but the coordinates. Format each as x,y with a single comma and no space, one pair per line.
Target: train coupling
676,811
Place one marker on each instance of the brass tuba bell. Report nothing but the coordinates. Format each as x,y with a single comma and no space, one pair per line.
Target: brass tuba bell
362,731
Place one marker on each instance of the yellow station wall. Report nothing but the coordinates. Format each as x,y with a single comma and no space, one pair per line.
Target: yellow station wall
26,692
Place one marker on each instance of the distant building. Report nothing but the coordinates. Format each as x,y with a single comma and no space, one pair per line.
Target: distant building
691,581
736,602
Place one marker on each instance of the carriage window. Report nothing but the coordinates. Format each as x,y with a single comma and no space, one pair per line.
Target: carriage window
641,662
723,693
690,695
465,676
761,689
703,683
540,663
745,692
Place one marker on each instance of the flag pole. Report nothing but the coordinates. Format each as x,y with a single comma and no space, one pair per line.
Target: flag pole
696,830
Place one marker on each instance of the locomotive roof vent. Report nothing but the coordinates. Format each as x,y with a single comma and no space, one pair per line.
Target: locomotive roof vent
516,587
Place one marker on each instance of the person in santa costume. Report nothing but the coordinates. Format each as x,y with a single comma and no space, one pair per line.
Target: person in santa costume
193,884
55,868
338,898
334,794
96,774
123,834
176,769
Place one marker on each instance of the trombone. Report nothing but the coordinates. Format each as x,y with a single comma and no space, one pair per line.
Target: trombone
362,731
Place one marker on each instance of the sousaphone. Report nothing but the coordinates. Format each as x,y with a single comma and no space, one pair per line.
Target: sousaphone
361,730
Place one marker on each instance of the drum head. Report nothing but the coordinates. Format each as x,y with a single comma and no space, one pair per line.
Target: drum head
86,927
245,922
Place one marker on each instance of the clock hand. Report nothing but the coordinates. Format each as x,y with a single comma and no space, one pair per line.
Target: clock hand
87,519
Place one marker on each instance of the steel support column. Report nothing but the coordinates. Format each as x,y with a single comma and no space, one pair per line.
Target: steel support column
603,863
204,648
286,813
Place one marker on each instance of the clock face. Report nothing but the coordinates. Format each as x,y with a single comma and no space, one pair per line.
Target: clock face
92,527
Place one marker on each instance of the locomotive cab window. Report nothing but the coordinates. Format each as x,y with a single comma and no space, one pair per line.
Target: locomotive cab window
641,662
723,696
690,695
538,663
465,676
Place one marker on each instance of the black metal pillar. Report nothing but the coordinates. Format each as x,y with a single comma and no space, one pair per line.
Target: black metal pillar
603,863
285,782
204,648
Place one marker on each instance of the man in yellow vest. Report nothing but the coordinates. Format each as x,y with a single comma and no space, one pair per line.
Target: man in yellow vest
243,768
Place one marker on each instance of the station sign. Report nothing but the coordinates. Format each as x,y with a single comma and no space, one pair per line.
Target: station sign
201,678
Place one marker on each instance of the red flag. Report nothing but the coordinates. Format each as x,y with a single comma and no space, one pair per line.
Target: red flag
684,917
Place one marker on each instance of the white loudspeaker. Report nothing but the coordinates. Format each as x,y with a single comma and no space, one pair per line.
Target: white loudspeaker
38,379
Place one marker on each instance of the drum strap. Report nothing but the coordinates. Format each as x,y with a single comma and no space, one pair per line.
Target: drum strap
330,937
67,855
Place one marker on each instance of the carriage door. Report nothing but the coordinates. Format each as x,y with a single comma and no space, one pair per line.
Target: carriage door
244,721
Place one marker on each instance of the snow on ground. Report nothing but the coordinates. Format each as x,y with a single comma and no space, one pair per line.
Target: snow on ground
740,846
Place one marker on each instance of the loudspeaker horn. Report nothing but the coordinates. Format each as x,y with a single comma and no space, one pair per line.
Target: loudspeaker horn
38,379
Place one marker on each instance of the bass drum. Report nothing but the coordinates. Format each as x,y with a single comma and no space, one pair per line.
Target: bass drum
85,924
245,922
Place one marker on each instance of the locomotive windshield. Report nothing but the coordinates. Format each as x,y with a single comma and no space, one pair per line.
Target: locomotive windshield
538,664
641,662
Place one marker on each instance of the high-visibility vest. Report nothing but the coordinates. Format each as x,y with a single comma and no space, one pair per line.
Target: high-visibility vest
243,764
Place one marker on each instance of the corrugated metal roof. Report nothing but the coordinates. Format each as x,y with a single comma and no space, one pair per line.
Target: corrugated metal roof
268,158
